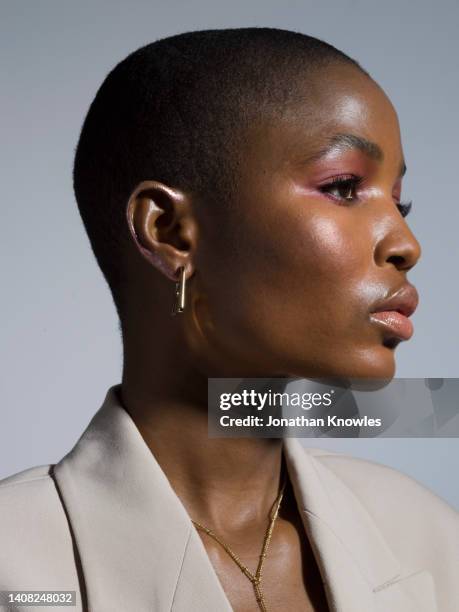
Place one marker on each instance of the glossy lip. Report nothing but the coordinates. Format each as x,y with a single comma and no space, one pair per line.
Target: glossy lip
393,312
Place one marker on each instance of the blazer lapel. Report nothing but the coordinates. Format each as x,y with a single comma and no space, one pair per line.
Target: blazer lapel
139,550
359,570
133,535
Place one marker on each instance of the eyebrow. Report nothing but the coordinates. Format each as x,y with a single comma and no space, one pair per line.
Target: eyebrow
352,141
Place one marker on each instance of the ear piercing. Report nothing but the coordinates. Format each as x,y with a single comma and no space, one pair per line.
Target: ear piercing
179,305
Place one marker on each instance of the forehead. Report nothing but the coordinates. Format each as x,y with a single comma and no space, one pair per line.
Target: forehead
340,100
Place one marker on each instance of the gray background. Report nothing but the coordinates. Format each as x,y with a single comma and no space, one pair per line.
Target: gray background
60,344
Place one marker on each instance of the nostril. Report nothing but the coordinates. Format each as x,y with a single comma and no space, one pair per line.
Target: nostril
397,260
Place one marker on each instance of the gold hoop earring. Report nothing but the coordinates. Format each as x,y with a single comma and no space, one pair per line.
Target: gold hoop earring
179,304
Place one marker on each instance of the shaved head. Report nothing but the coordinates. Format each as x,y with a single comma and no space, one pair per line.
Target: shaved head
179,111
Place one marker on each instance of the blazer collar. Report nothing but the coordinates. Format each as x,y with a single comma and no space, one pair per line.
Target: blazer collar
140,551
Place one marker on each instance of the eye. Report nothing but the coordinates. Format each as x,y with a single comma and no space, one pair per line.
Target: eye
344,188
404,207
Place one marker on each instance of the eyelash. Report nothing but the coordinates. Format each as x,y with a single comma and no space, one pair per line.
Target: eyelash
354,181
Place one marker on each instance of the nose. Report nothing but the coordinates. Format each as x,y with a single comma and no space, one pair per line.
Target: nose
397,245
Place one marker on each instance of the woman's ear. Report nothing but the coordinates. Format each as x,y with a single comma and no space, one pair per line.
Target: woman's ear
163,227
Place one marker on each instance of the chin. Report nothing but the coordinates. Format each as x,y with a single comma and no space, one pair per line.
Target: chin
382,365
377,363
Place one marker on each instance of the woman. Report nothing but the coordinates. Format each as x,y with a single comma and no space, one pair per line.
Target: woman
251,180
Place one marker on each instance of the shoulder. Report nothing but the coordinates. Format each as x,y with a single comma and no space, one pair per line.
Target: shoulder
29,498
35,539
34,483
416,522
370,480
40,472
19,490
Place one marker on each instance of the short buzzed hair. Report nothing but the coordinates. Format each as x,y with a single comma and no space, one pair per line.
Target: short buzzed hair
176,111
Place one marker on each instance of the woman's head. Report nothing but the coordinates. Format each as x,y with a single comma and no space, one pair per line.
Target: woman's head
273,174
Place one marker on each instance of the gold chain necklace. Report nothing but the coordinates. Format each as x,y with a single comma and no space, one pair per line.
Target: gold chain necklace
255,579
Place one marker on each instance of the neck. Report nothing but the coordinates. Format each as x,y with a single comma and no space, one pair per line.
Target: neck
217,479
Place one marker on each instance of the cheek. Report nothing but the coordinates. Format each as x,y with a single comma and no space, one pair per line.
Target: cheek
330,247
291,272
321,255
326,272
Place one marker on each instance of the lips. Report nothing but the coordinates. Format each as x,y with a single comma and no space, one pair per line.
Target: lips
392,313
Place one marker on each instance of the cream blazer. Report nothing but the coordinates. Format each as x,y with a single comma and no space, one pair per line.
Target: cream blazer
106,523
